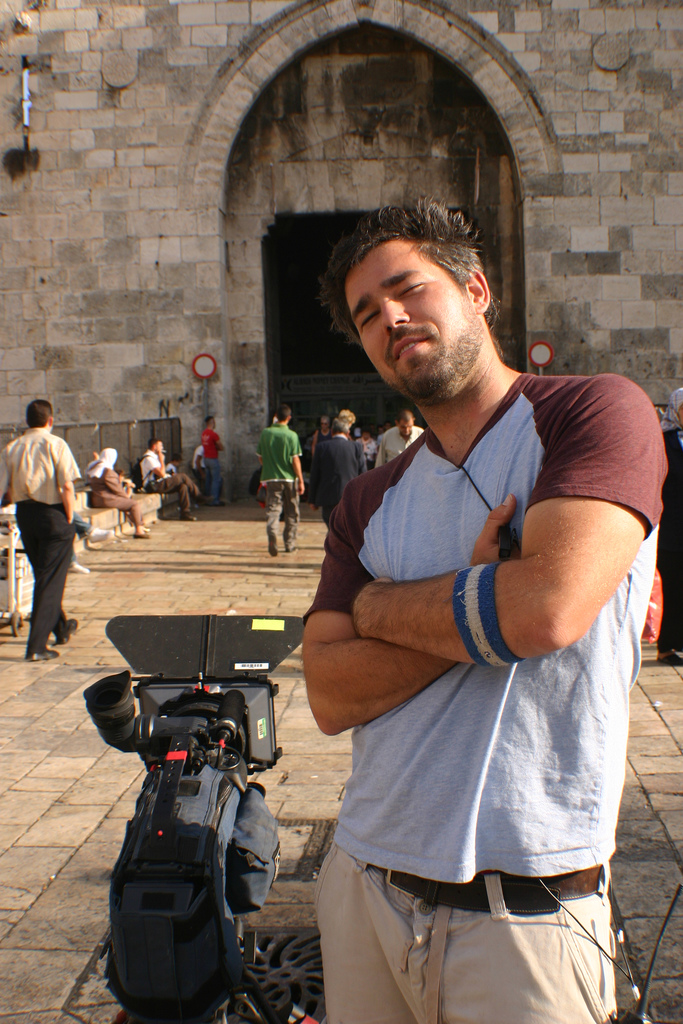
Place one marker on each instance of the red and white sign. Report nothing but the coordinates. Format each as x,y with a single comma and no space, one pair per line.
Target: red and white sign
204,366
541,354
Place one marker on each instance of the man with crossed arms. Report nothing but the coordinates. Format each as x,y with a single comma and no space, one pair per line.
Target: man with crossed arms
488,698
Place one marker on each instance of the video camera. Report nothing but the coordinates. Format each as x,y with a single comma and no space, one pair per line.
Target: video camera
202,847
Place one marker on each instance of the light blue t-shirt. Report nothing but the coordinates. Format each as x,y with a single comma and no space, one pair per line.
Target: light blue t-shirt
521,768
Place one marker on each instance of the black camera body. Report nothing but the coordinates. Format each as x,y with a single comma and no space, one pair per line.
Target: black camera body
202,847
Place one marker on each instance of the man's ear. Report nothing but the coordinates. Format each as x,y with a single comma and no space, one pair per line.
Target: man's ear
479,292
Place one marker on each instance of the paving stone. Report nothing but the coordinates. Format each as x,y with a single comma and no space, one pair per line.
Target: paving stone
37,980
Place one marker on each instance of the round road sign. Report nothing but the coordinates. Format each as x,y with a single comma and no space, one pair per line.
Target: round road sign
204,366
541,353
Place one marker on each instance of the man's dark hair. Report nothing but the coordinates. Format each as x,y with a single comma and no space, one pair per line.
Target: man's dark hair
208,419
340,426
38,412
443,236
152,440
282,412
405,414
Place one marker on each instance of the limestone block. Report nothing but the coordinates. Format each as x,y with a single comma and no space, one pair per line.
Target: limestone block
26,382
99,158
151,96
234,12
86,20
606,313
169,250
85,99
668,210
160,156
105,39
158,198
580,163
130,157
592,21
670,18
22,45
626,286
193,55
612,121
137,38
100,118
626,210
261,10
197,14
615,161
11,410
593,100
632,139
654,238
82,138
669,314
57,21
76,42
129,17
528,21
487,19
47,226
593,239
17,359
638,314
529,61
210,35
587,123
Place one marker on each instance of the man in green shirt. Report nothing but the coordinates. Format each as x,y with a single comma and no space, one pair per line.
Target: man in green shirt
279,453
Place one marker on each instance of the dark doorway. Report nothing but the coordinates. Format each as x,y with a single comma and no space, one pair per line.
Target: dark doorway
311,367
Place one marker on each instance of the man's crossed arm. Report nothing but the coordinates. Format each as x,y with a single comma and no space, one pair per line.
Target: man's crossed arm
402,636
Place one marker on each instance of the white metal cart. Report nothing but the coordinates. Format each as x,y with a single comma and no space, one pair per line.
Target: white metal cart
16,575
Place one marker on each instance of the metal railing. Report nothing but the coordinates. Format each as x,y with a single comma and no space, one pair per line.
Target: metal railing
129,437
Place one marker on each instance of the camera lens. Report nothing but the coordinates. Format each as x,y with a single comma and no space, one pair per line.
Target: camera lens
111,706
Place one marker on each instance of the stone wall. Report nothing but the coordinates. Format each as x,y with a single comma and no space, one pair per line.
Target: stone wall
112,253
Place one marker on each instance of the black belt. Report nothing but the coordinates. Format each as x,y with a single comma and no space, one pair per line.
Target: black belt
523,895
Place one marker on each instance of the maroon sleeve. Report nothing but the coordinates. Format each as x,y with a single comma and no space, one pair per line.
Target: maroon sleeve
343,574
602,439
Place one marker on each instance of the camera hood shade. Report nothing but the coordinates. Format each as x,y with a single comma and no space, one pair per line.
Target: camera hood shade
218,646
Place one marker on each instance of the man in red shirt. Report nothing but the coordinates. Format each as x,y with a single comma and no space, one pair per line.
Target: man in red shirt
212,446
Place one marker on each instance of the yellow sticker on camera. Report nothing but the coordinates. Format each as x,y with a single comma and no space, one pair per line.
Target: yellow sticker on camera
278,625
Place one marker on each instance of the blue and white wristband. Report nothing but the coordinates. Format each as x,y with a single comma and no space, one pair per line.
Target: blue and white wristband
474,611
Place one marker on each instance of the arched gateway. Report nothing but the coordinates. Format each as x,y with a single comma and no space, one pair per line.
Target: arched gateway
331,111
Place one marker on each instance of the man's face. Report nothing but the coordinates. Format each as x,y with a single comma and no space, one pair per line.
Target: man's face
157,447
421,330
211,424
405,426
324,423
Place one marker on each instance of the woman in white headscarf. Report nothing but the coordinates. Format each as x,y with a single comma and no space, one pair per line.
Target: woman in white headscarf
108,491
670,541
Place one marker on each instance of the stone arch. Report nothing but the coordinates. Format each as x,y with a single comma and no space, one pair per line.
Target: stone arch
235,91
449,33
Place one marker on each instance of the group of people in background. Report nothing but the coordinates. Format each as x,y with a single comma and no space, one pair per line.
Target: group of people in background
340,451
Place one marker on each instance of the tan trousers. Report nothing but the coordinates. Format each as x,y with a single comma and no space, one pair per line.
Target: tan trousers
387,962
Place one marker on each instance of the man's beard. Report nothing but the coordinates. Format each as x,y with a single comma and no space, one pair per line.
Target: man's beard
442,374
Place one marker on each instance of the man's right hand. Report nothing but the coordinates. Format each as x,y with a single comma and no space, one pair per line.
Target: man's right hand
486,546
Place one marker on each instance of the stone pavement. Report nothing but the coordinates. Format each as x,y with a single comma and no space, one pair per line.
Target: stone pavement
65,797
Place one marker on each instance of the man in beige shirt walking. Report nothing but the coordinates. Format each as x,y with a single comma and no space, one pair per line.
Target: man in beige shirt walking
396,439
37,472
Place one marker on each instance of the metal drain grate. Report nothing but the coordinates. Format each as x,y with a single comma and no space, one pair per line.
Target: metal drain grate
288,967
